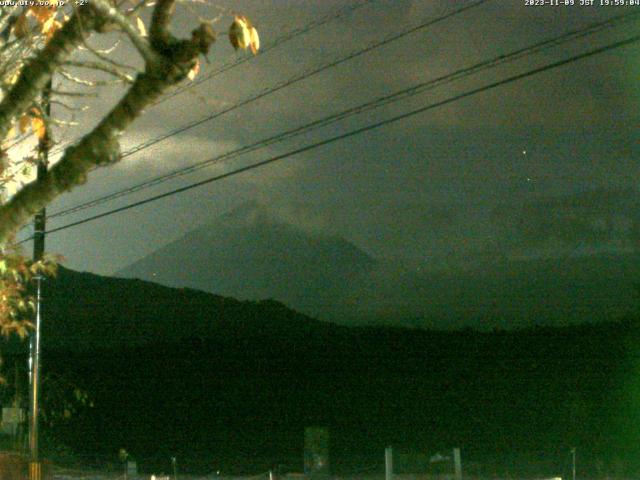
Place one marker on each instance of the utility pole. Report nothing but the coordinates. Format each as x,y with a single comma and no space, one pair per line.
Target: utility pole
39,226
573,463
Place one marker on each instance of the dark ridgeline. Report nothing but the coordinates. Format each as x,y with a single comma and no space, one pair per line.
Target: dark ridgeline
230,385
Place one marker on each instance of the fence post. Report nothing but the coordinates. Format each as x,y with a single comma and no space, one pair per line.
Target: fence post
388,463
457,464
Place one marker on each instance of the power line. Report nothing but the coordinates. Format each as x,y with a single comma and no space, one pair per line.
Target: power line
276,88
358,131
302,76
278,41
296,32
396,96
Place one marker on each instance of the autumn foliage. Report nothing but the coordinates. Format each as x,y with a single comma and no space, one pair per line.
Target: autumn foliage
244,35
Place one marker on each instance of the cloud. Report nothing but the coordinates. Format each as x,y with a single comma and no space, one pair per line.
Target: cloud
579,223
447,184
174,152
307,216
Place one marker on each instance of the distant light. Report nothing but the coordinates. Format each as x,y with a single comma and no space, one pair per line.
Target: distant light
524,152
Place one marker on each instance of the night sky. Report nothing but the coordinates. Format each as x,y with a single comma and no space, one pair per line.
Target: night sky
542,169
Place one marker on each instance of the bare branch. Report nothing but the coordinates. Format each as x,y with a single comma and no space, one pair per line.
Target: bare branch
16,141
101,145
69,107
102,56
35,75
103,51
189,6
74,79
122,21
64,123
138,6
159,31
98,147
92,83
65,93
112,70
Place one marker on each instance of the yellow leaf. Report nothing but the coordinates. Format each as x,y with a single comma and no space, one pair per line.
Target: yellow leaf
34,120
38,127
24,122
50,27
239,33
254,40
141,28
14,78
194,71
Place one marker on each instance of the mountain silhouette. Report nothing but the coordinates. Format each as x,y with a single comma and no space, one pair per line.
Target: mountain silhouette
250,254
